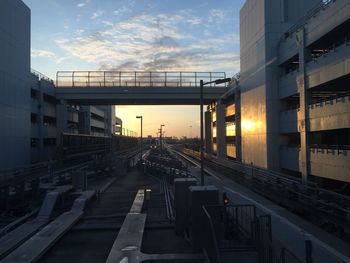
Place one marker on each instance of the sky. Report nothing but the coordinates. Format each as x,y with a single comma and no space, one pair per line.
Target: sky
138,35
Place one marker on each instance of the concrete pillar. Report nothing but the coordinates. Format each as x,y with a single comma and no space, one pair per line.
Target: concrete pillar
79,180
238,124
221,130
182,203
208,132
200,196
303,114
61,119
41,123
4,197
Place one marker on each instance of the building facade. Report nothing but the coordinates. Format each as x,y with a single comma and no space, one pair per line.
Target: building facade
49,119
14,83
292,104
32,119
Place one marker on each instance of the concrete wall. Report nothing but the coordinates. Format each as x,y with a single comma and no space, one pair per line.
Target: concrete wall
330,115
262,25
41,130
328,163
253,89
14,83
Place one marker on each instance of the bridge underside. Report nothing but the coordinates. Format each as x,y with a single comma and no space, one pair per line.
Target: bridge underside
138,96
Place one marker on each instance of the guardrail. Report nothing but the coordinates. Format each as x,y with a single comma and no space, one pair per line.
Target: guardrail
136,79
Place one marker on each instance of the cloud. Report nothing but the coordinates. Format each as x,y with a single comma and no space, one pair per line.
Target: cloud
35,53
155,43
121,11
195,21
97,14
217,16
82,4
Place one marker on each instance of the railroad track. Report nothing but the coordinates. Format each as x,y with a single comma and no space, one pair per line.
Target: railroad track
96,231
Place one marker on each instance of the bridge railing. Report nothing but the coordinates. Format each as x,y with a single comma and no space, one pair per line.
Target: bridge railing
136,79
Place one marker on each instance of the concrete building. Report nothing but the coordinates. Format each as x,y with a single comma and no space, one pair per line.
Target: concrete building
293,90
31,118
14,83
49,119
43,117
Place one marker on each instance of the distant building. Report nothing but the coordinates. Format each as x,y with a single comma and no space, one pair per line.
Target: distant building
291,101
49,120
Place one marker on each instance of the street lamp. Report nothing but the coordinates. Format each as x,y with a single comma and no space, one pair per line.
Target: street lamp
202,84
161,135
140,117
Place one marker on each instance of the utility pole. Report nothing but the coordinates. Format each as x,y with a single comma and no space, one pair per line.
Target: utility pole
141,138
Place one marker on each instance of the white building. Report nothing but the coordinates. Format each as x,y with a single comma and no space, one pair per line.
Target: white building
292,104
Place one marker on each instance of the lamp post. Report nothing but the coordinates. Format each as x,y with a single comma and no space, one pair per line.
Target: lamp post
190,139
161,136
202,84
140,117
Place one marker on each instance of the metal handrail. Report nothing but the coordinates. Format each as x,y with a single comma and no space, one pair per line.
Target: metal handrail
311,13
343,95
40,75
285,254
135,79
309,191
210,242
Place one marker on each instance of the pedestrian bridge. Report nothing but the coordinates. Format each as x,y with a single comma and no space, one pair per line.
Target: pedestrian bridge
137,88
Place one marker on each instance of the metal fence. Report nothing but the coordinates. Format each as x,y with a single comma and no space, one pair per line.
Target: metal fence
238,227
136,79
233,223
210,240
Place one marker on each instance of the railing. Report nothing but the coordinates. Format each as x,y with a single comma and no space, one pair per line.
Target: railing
311,13
85,149
287,256
338,98
23,172
40,75
234,223
210,245
327,148
333,47
247,230
332,205
136,79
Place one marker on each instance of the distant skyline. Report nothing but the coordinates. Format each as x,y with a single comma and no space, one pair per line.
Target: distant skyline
138,35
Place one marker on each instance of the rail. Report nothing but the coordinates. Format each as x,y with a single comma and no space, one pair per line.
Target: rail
237,222
40,75
322,5
135,79
336,98
287,256
210,245
329,147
